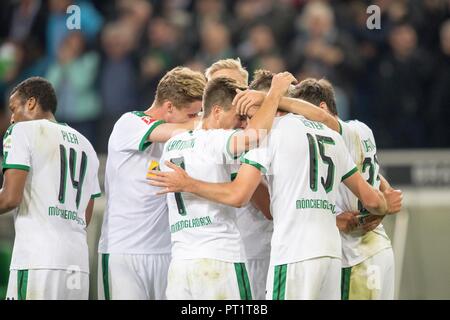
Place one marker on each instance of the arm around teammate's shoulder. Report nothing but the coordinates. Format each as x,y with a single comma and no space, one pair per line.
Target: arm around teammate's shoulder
165,131
261,123
309,111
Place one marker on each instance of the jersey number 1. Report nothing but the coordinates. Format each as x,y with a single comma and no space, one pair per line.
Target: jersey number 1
78,185
178,198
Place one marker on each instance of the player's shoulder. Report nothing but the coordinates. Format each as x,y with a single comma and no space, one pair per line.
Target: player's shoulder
132,118
359,125
26,126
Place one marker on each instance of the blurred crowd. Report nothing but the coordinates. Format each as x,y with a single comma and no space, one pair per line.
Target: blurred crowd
396,79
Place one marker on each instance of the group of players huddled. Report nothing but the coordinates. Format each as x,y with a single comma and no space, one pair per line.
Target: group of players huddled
219,190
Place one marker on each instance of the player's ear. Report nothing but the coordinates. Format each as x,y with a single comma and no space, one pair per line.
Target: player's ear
169,106
323,106
216,110
31,104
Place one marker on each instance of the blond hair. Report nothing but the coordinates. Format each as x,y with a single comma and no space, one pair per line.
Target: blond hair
227,64
181,86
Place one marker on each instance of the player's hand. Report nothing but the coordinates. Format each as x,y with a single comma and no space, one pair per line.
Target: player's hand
369,223
347,221
281,82
394,200
171,181
246,100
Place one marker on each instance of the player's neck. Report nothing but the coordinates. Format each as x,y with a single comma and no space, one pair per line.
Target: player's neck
209,123
47,116
155,112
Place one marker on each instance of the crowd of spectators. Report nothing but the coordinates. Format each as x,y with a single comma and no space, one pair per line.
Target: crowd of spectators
396,78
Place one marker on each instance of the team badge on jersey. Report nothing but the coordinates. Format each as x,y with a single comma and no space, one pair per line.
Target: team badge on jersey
154,165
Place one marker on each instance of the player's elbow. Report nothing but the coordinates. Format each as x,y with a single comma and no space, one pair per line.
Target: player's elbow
12,202
239,200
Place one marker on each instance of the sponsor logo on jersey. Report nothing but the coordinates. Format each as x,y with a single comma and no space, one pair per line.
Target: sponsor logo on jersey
191,223
148,120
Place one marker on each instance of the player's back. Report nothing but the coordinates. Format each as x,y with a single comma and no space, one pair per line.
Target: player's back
62,169
202,228
307,162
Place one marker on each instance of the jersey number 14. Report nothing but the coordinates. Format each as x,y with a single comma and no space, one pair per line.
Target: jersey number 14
77,185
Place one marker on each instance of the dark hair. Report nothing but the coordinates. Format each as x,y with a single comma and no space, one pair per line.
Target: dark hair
317,91
39,89
219,91
262,80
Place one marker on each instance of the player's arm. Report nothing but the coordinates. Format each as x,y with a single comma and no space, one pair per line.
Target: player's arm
309,111
261,123
246,100
261,200
12,191
165,131
89,210
375,201
384,184
236,193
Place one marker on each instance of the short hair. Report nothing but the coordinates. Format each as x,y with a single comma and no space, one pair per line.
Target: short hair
181,86
227,64
317,91
39,89
219,91
262,80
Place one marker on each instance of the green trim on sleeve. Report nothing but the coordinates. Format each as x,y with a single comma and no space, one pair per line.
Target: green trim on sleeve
144,141
227,147
96,195
254,164
340,127
16,166
350,173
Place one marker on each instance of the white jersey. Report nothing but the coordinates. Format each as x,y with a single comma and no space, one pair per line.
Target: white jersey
201,228
360,142
304,162
62,170
256,230
135,220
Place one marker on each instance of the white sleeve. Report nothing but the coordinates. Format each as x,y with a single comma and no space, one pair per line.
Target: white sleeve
261,157
96,191
219,145
16,149
132,130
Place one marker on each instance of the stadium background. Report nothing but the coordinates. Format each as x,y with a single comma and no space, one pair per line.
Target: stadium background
396,79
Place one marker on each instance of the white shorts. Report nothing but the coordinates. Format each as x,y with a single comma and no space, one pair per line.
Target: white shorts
257,271
207,279
372,279
44,284
132,276
314,279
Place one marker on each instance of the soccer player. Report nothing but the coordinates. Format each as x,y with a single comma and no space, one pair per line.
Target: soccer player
255,229
367,257
303,176
208,258
50,179
135,239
